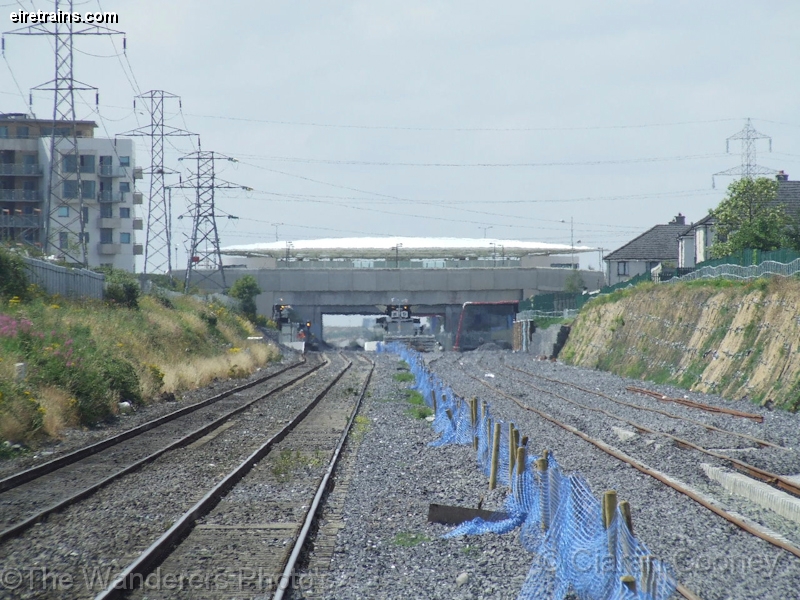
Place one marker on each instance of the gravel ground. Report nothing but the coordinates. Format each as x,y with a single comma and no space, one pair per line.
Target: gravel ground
74,439
102,534
387,549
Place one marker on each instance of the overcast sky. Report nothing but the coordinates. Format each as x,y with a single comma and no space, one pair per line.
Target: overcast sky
346,116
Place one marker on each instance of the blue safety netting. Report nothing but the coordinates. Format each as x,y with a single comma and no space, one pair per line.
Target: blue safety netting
559,519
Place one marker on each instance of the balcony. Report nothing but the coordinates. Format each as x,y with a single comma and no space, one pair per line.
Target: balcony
20,196
138,225
12,221
138,249
108,196
137,173
15,169
137,197
112,171
107,249
108,223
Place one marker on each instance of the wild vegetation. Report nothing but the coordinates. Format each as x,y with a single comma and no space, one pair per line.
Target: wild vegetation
738,339
83,357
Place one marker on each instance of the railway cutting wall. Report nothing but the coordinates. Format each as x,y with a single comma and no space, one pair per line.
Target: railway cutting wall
740,340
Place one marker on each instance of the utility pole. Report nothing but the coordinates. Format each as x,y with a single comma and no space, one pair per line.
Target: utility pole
485,229
749,168
204,244
65,233
158,247
397,255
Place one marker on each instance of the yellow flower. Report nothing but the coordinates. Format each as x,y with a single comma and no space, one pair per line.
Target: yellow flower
234,350
55,306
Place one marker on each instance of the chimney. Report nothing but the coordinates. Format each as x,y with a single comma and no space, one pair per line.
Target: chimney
781,176
678,220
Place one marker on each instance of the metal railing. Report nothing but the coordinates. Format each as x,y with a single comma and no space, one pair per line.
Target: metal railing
109,196
20,169
733,271
20,195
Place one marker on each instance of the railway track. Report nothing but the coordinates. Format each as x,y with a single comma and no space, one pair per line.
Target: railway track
29,496
764,475
743,523
245,535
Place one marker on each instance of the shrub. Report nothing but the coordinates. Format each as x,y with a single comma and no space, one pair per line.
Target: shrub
245,289
13,276
122,289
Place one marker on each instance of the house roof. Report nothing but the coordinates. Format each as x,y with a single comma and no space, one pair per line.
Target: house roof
789,195
657,243
708,219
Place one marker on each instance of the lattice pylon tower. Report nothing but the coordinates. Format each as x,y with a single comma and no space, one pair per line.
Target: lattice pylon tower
205,257
749,167
64,234
158,247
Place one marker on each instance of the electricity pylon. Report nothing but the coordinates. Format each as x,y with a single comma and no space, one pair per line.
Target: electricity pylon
204,251
63,214
158,247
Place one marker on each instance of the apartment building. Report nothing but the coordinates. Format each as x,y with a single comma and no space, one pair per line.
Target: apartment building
107,176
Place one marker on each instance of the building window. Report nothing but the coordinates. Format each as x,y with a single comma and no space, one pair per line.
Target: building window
124,186
85,214
3,132
28,210
106,211
124,161
23,132
69,164
63,240
88,190
70,189
124,212
63,211
87,163
86,236
106,236
622,268
124,238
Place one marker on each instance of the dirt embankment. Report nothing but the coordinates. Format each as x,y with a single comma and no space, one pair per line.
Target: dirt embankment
739,340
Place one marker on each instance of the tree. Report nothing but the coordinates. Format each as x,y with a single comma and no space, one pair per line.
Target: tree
574,283
245,290
750,217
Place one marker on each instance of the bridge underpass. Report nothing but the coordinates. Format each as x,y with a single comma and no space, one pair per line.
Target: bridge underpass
314,292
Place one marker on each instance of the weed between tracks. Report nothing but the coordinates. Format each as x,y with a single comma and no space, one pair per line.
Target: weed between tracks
288,462
360,428
404,377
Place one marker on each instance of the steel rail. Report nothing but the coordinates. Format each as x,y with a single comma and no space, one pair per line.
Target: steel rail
663,478
53,465
313,510
773,479
21,526
707,426
163,546
694,404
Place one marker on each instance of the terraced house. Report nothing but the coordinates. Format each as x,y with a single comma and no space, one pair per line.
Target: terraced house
107,172
657,245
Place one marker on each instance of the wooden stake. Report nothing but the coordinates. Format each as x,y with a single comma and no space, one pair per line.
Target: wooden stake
648,577
512,453
625,510
544,492
628,582
495,456
609,512
520,472
609,507
626,551
433,397
524,441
